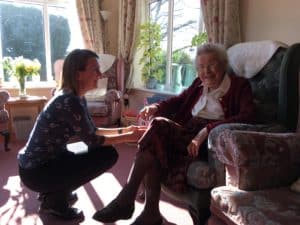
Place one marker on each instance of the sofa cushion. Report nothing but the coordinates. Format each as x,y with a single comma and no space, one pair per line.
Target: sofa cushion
272,207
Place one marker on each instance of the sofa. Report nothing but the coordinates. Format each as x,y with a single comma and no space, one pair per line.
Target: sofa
275,89
261,168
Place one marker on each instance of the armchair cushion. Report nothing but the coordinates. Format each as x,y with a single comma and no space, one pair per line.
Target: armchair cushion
273,206
98,94
251,157
201,175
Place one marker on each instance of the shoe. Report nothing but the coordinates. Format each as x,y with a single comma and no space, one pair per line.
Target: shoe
114,212
68,213
72,197
158,222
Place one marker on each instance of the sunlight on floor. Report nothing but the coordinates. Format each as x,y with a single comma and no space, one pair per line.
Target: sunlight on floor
19,206
91,197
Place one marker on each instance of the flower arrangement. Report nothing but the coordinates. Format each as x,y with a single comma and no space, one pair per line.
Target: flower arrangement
20,68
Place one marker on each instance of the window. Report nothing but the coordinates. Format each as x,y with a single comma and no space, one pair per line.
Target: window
43,29
179,21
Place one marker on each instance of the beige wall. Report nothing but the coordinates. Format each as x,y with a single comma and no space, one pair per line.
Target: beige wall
270,19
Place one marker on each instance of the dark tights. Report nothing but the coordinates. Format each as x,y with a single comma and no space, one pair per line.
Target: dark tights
146,167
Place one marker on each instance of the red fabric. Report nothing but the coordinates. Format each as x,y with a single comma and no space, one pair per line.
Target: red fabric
237,103
168,141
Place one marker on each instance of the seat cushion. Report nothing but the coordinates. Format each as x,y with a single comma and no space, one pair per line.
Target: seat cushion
272,206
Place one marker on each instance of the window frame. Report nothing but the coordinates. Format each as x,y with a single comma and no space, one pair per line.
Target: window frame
44,4
169,49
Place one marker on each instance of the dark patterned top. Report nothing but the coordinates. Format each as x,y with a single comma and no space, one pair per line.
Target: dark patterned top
64,116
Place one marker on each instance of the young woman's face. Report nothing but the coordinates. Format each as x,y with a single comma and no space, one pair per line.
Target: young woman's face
87,79
210,70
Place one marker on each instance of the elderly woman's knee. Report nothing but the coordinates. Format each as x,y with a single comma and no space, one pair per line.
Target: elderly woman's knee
159,122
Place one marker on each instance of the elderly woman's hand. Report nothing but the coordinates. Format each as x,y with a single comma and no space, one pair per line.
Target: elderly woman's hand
148,111
194,146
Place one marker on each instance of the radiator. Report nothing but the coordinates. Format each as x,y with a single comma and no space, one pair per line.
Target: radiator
22,126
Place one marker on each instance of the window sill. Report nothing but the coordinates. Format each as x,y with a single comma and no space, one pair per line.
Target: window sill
36,89
157,91
29,85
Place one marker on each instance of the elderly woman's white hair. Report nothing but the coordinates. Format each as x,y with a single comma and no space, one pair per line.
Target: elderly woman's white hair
217,49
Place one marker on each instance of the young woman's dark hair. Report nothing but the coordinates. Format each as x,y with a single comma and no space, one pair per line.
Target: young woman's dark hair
74,62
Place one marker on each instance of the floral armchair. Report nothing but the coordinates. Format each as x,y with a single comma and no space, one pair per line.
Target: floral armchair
261,169
275,89
4,118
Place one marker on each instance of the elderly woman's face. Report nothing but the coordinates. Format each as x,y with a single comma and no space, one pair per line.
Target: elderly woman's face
210,70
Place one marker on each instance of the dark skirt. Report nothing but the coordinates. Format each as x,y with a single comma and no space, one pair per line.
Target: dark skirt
168,141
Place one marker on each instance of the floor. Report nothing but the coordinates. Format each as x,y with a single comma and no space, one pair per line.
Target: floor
18,205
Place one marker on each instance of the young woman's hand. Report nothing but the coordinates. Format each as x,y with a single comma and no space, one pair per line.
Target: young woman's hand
148,111
133,128
194,146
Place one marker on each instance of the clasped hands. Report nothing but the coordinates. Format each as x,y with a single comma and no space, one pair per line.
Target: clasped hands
136,132
193,148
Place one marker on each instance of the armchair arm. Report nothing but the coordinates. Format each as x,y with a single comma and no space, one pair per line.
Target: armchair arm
4,96
112,95
213,145
258,160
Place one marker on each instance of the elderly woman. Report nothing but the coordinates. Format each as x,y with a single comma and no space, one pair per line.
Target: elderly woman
177,135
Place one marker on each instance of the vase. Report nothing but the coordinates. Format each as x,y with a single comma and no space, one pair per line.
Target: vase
22,89
151,83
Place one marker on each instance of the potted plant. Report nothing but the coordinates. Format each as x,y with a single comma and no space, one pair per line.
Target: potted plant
21,68
152,57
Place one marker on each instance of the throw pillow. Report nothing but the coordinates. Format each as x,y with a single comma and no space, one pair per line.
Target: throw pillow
98,94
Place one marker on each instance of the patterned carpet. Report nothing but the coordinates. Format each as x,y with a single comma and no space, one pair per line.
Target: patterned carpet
18,205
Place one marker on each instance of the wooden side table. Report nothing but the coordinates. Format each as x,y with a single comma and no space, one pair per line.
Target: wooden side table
29,101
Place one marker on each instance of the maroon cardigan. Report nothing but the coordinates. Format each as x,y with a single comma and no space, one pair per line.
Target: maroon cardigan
237,103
